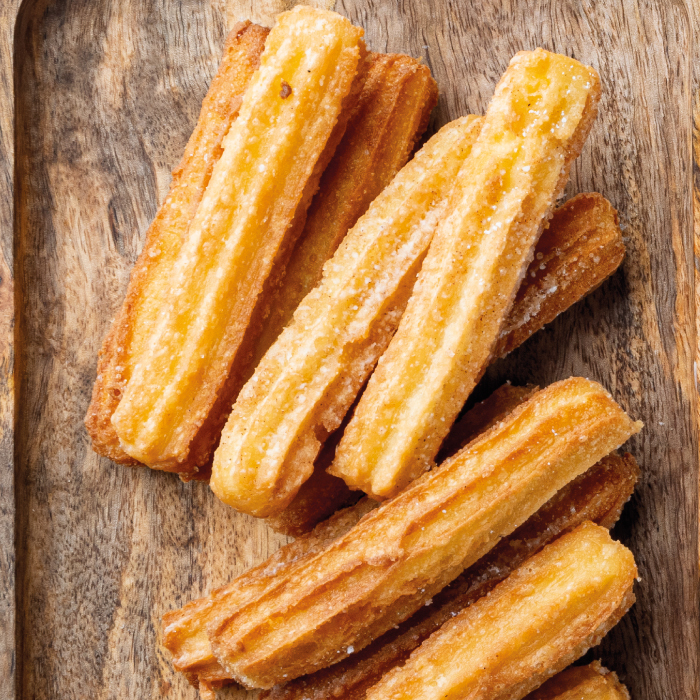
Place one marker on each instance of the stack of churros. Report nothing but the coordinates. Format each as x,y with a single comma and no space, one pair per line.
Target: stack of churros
316,301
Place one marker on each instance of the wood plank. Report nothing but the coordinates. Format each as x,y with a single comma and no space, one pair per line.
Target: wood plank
107,94
8,660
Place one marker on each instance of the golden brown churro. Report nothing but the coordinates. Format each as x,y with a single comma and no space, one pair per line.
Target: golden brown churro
536,124
545,615
391,115
149,283
592,682
579,250
185,630
290,121
597,495
309,378
403,553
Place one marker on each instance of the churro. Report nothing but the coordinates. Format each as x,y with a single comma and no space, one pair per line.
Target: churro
545,615
597,495
576,253
391,115
185,630
149,284
290,121
403,553
536,124
592,682
309,378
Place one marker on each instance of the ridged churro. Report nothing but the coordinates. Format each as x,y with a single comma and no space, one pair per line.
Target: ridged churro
576,253
545,615
403,553
185,630
580,248
391,115
290,121
535,126
592,682
309,378
597,495
149,283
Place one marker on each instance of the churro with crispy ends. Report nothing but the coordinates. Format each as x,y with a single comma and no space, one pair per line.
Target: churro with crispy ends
597,495
592,682
403,553
271,153
536,124
545,615
149,284
579,250
390,116
185,630
311,375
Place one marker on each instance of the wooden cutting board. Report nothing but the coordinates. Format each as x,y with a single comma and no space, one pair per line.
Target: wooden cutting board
105,95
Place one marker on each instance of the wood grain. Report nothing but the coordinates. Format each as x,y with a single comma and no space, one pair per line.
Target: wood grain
107,93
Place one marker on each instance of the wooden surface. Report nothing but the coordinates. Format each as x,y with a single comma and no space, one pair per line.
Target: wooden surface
106,95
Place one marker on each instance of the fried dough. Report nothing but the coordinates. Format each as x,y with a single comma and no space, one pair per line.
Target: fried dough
597,495
290,121
535,126
576,253
310,377
545,615
592,682
403,553
149,283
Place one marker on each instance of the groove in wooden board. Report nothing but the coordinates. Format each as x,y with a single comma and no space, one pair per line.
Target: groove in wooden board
108,94
262,11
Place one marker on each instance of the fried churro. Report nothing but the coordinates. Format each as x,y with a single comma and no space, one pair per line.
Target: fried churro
185,630
536,124
403,553
149,284
309,378
545,615
597,495
290,121
576,253
592,682
391,115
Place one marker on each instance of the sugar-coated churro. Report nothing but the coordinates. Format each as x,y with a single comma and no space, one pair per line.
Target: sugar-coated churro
149,284
309,378
290,121
597,495
545,615
391,115
536,124
592,682
403,553
579,250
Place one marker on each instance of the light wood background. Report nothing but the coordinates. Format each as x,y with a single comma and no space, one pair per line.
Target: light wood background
105,94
